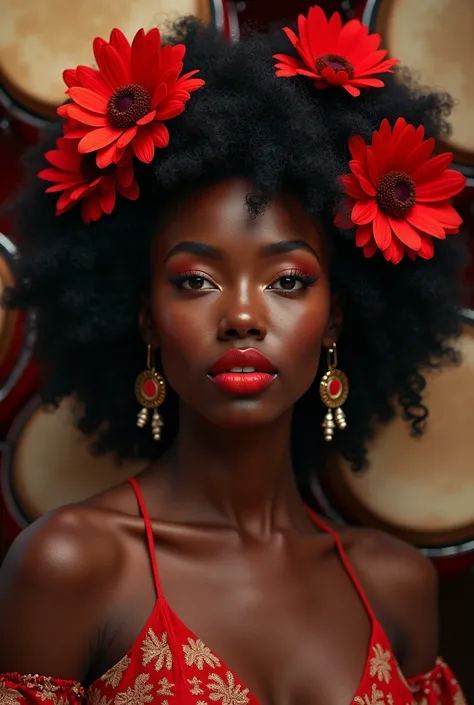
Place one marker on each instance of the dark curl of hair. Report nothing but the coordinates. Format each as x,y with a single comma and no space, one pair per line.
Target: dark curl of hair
87,281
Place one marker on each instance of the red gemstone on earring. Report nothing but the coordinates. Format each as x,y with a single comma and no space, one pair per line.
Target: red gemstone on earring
150,388
334,387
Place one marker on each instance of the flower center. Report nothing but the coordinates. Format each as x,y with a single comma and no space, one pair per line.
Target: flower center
127,105
396,193
336,62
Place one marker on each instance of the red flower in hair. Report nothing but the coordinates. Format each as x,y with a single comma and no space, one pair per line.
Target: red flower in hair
126,101
398,193
77,178
335,55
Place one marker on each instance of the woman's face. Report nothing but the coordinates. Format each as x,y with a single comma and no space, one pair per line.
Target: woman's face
222,281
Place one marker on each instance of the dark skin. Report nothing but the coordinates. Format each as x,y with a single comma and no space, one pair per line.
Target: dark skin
240,561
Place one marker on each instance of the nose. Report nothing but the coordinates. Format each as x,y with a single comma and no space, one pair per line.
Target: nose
244,315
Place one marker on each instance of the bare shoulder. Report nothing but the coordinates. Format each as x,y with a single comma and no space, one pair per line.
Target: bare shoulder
401,585
53,582
390,562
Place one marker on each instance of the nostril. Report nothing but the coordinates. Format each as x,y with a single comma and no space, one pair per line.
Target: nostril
253,331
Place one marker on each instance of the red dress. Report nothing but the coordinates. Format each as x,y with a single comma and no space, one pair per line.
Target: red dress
169,665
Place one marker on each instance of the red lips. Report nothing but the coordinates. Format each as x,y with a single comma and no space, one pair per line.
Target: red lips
253,375
243,358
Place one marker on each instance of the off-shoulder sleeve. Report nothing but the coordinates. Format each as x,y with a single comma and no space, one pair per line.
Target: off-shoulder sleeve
25,690
438,687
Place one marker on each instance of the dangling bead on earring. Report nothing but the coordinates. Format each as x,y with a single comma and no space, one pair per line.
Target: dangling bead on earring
150,390
334,390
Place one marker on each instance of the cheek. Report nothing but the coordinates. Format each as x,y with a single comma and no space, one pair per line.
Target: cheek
306,323
182,328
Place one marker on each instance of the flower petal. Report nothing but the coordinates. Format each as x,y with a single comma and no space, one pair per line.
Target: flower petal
88,77
112,68
364,212
170,110
427,247
69,77
160,93
130,192
363,178
352,90
353,187
446,215
358,148
147,118
96,139
421,217
51,174
370,249
364,234
64,160
127,137
449,184
120,42
394,252
382,230
90,100
433,168
107,194
125,174
86,118
139,63
405,233
144,147
159,134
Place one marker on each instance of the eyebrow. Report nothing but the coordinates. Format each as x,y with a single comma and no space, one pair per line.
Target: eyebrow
195,248
285,246
275,248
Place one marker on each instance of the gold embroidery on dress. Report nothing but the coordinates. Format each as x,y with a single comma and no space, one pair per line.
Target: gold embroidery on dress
196,689
115,674
380,665
43,687
138,694
197,654
94,697
201,702
155,648
376,697
165,687
229,693
8,696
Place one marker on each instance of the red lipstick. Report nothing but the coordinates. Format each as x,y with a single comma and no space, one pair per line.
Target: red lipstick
243,372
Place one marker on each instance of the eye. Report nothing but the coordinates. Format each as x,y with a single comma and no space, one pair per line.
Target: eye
197,283
193,282
293,281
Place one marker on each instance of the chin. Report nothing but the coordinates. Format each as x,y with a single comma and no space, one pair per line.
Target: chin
244,414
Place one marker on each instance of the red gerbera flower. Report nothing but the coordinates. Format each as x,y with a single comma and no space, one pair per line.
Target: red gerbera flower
335,55
79,179
399,193
127,99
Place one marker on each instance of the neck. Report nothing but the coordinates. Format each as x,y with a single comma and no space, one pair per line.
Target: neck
244,477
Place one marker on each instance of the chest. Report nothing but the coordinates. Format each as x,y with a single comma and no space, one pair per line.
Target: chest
286,624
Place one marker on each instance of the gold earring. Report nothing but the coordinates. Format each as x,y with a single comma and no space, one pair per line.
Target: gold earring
150,390
334,390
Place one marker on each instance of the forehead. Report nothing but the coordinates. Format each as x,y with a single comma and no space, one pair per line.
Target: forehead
219,216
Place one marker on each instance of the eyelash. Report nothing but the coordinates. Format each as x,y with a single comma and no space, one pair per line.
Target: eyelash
305,279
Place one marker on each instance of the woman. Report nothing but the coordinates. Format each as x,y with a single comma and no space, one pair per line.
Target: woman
194,232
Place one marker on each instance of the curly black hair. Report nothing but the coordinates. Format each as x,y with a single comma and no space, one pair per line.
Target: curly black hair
86,281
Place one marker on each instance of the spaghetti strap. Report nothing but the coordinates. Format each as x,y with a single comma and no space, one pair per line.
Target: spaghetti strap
149,535
345,561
